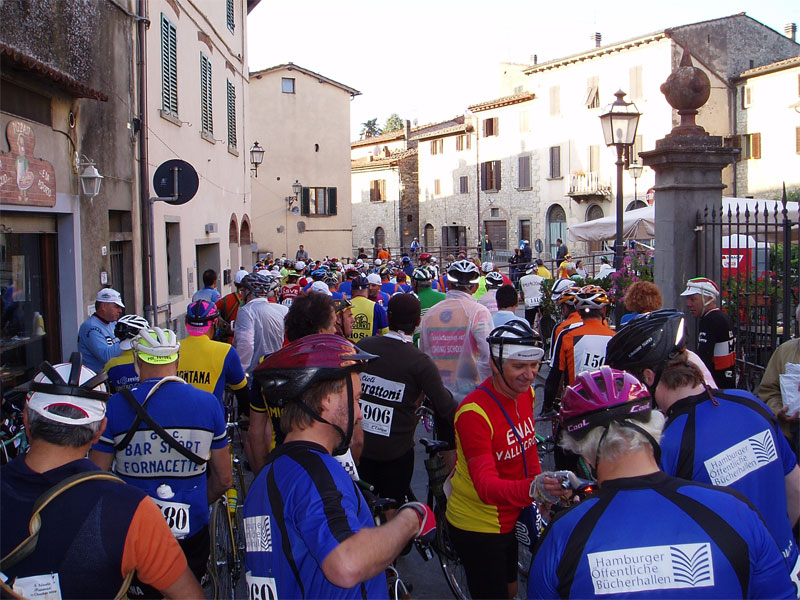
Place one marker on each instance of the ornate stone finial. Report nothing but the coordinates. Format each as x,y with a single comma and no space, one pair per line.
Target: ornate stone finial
687,89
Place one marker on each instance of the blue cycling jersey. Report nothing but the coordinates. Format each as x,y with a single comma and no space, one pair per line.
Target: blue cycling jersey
97,343
300,507
733,441
195,419
345,288
659,537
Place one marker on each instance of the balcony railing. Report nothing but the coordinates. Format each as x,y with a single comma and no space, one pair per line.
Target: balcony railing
588,184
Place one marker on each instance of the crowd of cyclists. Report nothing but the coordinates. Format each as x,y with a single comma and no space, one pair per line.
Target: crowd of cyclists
328,362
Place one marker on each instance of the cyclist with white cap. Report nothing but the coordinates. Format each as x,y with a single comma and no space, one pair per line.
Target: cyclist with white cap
70,530
120,369
716,343
453,332
168,439
97,341
228,307
497,462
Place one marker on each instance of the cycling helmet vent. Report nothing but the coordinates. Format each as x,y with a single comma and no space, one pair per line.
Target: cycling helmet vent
129,326
67,384
200,317
463,272
590,297
599,397
258,283
515,340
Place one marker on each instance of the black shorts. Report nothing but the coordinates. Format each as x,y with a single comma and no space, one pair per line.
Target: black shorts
390,478
489,559
530,314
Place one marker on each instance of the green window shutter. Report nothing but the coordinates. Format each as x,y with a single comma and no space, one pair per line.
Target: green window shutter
229,15
305,201
231,115
331,200
169,67
206,107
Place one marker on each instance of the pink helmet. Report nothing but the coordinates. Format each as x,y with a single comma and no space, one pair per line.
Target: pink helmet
598,397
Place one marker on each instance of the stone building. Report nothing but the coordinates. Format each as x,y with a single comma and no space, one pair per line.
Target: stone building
767,129
302,120
66,100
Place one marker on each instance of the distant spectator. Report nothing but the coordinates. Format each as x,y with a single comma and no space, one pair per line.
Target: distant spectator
382,254
209,293
543,271
605,268
580,269
301,254
561,249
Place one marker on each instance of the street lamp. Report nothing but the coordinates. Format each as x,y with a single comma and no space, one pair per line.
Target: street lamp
619,122
256,157
90,177
635,169
297,188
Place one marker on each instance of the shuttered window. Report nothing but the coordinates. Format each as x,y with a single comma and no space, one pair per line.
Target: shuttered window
206,108
377,190
318,201
437,187
169,67
752,147
437,146
463,181
229,15
555,162
490,127
635,75
231,115
490,176
463,143
555,101
593,92
797,139
524,178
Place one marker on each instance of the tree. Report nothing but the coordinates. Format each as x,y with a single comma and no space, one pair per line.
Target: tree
370,128
393,123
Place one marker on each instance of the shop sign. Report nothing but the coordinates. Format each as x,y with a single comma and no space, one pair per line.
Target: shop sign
23,178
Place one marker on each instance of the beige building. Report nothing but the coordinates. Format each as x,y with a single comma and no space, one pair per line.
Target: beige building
302,120
768,129
197,111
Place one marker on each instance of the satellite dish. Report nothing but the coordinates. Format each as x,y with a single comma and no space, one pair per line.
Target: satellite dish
295,210
376,151
301,227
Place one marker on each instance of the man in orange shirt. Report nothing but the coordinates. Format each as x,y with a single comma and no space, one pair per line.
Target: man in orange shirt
582,347
383,254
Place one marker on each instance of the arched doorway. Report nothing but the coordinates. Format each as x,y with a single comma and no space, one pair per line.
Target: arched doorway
233,245
245,243
428,237
594,212
633,205
379,238
556,226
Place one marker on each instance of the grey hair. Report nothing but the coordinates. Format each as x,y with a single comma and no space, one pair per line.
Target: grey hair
618,442
61,434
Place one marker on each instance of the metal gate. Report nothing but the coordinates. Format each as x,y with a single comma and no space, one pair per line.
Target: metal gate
751,249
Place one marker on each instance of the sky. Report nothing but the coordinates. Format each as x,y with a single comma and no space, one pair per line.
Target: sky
427,60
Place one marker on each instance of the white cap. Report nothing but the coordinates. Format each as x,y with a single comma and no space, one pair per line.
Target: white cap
374,278
378,262
110,295
237,278
701,285
299,265
321,287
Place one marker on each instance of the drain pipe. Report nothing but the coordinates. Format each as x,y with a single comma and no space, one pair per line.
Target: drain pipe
148,277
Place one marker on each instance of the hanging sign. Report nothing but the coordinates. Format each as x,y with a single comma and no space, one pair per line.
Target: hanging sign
23,178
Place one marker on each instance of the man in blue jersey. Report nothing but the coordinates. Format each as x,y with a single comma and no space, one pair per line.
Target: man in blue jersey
645,534
168,439
97,341
720,437
308,530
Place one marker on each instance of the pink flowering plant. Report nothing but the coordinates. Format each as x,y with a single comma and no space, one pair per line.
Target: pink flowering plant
636,266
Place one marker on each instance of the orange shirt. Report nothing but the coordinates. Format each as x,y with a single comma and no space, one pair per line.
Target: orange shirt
584,348
384,255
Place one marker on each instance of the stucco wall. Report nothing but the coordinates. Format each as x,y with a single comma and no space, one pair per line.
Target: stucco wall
306,139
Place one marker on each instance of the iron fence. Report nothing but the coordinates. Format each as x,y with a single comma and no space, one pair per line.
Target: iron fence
751,251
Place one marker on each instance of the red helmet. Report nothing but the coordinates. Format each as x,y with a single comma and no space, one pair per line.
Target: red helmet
597,398
289,372
425,256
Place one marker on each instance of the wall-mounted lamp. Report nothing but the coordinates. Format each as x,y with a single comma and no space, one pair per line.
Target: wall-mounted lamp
256,157
90,178
297,189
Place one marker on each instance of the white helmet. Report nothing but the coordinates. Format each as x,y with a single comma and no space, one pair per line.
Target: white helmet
68,384
487,267
514,340
241,274
494,280
701,285
561,286
463,272
156,346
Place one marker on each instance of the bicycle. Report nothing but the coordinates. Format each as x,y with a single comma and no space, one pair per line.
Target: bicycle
227,522
12,428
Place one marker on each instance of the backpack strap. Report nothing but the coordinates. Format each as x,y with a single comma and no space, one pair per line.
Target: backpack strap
143,416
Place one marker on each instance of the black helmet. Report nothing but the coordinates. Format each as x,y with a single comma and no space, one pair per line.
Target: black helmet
359,282
648,341
494,280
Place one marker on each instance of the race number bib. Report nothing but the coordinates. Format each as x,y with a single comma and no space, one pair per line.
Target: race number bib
261,588
38,587
376,419
177,516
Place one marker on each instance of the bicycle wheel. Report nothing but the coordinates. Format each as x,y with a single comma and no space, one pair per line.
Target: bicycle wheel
222,555
453,570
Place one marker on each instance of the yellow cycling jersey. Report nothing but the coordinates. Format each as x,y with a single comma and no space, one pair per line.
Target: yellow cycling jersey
210,365
369,319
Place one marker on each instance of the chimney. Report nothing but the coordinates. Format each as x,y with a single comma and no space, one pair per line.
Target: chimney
791,31
597,37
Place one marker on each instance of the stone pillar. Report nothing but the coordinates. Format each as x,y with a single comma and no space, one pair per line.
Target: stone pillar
688,164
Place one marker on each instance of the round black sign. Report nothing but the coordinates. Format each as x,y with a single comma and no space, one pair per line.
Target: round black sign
171,191
538,245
